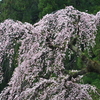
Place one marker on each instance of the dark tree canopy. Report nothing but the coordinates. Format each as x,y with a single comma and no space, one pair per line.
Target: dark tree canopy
32,10
48,6
23,10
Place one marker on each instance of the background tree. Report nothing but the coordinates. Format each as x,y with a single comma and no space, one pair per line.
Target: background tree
48,6
25,11
92,6
31,10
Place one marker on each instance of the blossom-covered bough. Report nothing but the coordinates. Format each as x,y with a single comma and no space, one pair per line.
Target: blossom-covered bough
36,54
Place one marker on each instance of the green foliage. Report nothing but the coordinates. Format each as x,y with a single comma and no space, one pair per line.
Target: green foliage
91,5
70,62
45,6
94,95
92,78
53,75
96,49
7,69
47,9
22,10
80,63
31,10
15,56
48,6
36,80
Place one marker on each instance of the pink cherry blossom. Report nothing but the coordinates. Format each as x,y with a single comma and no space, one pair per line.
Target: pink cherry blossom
41,55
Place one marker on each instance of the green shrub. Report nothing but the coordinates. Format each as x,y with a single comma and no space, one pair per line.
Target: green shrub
92,78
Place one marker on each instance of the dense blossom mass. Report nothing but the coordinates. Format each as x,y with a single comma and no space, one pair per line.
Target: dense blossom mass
41,53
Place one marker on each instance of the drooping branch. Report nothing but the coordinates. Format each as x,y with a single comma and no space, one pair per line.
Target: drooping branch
91,65
75,75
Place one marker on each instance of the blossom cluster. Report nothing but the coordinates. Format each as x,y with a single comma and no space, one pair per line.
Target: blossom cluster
41,54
